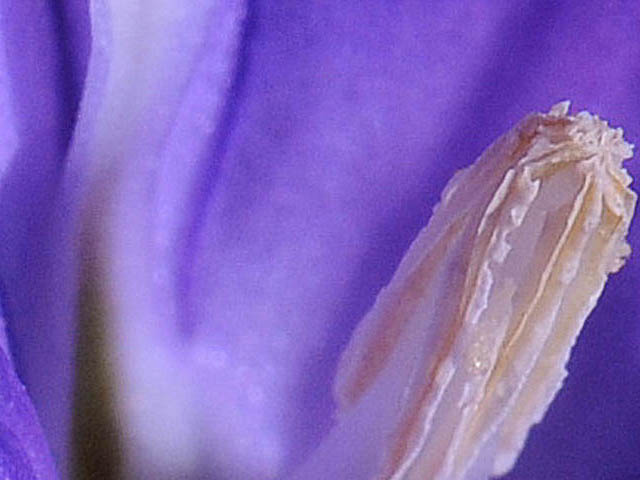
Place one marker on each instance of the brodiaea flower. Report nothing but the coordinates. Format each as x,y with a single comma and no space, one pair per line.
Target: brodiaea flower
200,200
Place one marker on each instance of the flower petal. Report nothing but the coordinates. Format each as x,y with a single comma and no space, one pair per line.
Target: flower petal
40,87
156,87
24,452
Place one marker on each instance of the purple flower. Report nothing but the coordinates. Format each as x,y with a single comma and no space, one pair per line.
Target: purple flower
200,200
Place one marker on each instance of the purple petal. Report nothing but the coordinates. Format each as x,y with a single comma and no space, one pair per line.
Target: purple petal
42,62
24,453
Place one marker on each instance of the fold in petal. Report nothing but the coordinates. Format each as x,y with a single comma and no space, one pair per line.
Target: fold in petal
156,88
40,89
